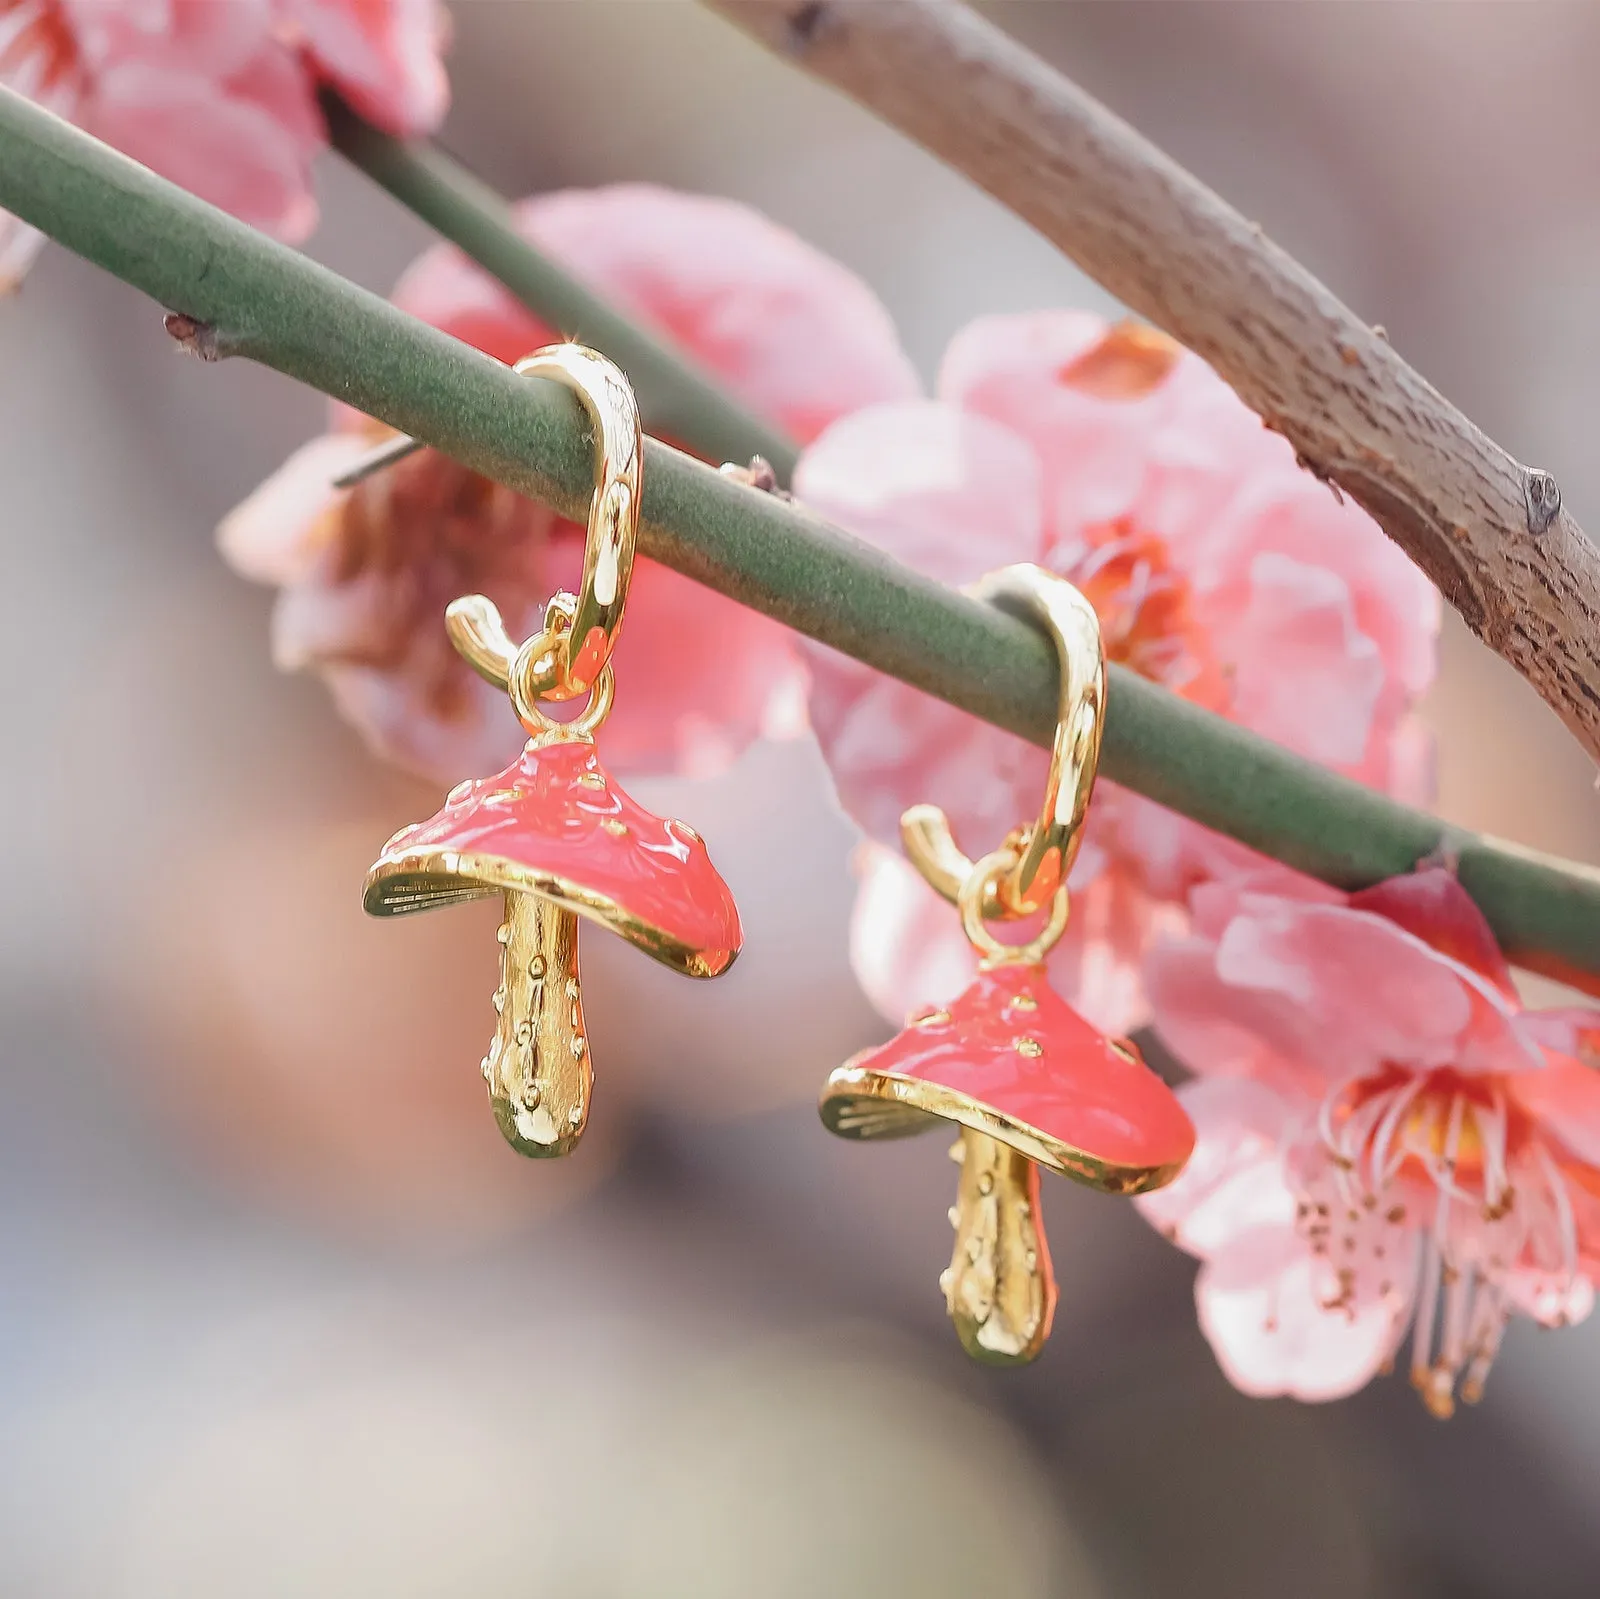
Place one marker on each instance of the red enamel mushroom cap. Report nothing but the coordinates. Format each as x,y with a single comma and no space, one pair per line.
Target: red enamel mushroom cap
1012,1059
556,825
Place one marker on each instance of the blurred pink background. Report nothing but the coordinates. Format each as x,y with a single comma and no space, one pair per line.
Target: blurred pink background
281,1314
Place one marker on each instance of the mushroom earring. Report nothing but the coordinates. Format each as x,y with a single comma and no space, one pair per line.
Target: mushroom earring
1027,1080
553,833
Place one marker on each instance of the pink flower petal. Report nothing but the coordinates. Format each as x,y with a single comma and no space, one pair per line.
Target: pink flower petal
19,246
276,81
399,724
1551,1301
1213,905
1432,904
279,533
383,56
1235,1182
947,493
956,497
1201,1020
1408,761
1564,1100
201,38
1170,454
1303,674
1016,370
1378,609
1099,962
1172,854
224,147
1566,1030
1262,1312
698,677
797,336
1287,512
1348,992
340,623
906,944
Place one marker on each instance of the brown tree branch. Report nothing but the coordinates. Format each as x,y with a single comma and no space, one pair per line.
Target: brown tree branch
1490,532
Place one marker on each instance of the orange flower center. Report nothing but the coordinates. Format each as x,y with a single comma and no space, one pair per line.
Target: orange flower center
1129,362
1439,1126
1143,598
1145,605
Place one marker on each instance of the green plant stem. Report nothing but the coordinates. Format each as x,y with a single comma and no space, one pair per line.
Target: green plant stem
267,303
675,397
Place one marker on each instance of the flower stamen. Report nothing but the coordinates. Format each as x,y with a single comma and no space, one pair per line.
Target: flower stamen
1422,1331
1383,1171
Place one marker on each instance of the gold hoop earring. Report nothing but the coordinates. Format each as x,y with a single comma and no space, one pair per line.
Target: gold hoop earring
1027,1080
554,833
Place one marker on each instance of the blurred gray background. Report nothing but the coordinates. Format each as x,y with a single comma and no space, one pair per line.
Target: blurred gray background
278,1314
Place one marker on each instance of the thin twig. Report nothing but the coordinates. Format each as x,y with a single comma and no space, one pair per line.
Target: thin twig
1488,530
676,398
378,459
271,305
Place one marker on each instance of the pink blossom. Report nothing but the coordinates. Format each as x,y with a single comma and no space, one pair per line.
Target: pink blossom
220,95
367,573
1218,567
384,57
1388,1142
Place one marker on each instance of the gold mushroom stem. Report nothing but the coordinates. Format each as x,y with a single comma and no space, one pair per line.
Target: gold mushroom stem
537,1067
999,1287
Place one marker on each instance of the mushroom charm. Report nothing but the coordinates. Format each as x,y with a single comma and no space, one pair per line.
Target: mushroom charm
1026,1079
553,833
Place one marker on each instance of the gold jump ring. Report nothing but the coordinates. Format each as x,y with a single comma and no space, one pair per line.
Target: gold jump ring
981,882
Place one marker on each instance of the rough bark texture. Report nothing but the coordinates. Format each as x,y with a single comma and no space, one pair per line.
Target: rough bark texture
1490,532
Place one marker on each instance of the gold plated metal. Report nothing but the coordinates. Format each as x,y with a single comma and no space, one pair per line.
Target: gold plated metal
546,727
479,635
998,1288
480,638
931,847
861,1103
565,659
1049,846
537,1067
568,657
552,833
982,887
1009,1060
613,413
425,878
